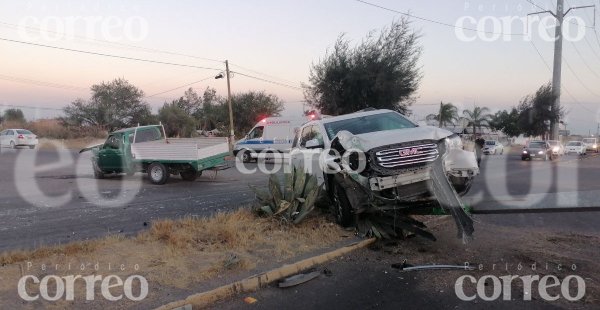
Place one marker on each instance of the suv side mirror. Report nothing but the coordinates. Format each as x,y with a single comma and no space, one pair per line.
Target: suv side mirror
314,144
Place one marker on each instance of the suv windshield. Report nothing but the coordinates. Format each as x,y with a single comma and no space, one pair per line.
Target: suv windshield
536,145
24,132
574,143
369,123
490,142
589,140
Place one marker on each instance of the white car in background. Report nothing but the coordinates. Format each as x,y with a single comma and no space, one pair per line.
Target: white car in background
576,147
557,147
591,144
14,138
492,147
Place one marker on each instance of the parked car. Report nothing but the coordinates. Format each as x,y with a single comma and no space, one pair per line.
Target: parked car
537,150
14,138
399,160
492,147
591,144
558,148
576,147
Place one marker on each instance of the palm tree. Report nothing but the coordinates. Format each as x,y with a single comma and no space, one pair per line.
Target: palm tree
448,114
477,118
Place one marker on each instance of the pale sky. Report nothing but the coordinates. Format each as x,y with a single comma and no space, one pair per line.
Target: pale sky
279,40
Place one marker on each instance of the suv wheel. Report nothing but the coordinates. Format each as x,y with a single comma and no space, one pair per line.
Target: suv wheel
12,145
340,207
158,173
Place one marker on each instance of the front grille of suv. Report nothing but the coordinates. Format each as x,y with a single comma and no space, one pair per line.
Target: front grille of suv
406,156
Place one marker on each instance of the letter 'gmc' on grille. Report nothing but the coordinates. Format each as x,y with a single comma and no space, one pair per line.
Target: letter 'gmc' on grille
409,155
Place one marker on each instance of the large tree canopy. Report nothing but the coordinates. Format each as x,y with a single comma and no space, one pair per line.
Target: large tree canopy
536,112
113,105
381,72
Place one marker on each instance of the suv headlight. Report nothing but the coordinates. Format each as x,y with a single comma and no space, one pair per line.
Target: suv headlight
453,142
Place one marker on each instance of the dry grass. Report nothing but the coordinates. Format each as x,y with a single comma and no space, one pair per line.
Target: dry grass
181,253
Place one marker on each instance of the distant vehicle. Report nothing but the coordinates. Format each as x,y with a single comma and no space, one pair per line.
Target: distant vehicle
492,147
537,150
557,147
591,144
270,135
14,138
146,149
576,147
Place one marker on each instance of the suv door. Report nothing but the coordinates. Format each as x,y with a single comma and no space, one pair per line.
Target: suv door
110,157
309,158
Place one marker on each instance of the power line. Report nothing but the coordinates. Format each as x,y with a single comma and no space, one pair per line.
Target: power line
584,61
41,83
263,74
437,22
108,55
83,38
578,79
570,22
269,81
562,87
178,87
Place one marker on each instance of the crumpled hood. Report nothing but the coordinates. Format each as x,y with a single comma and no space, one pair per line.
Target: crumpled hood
372,140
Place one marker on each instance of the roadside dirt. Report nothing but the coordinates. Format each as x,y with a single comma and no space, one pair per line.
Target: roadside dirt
500,251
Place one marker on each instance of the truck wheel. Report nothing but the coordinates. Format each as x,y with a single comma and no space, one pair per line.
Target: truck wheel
12,145
32,147
246,158
158,173
189,175
98,173
340,207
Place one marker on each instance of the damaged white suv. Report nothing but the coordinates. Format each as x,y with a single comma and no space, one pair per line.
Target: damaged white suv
381,154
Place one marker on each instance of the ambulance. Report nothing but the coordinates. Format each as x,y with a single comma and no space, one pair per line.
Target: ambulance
272,135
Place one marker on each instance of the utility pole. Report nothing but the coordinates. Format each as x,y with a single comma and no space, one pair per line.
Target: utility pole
557,68
440,115
231,132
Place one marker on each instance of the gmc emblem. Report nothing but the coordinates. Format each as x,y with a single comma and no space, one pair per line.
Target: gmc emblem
409,152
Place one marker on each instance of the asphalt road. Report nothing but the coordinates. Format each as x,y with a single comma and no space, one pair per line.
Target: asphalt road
52,198
42,204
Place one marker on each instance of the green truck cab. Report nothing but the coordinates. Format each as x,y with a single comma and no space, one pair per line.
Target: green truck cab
146,149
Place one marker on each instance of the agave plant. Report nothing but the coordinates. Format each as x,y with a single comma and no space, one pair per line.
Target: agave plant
293,201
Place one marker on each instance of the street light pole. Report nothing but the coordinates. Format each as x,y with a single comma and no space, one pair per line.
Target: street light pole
556,70
231,131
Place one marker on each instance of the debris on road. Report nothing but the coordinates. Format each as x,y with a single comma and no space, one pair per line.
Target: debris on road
250,300
298,279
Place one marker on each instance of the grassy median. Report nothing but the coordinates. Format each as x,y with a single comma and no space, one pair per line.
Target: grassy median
176,254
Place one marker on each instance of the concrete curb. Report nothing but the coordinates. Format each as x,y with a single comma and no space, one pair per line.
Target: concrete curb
253,283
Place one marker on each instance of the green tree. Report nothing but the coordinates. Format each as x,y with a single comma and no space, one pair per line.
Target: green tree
448,112
507,122
537,113
479,117
13,115
381,72
113,105
176,120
